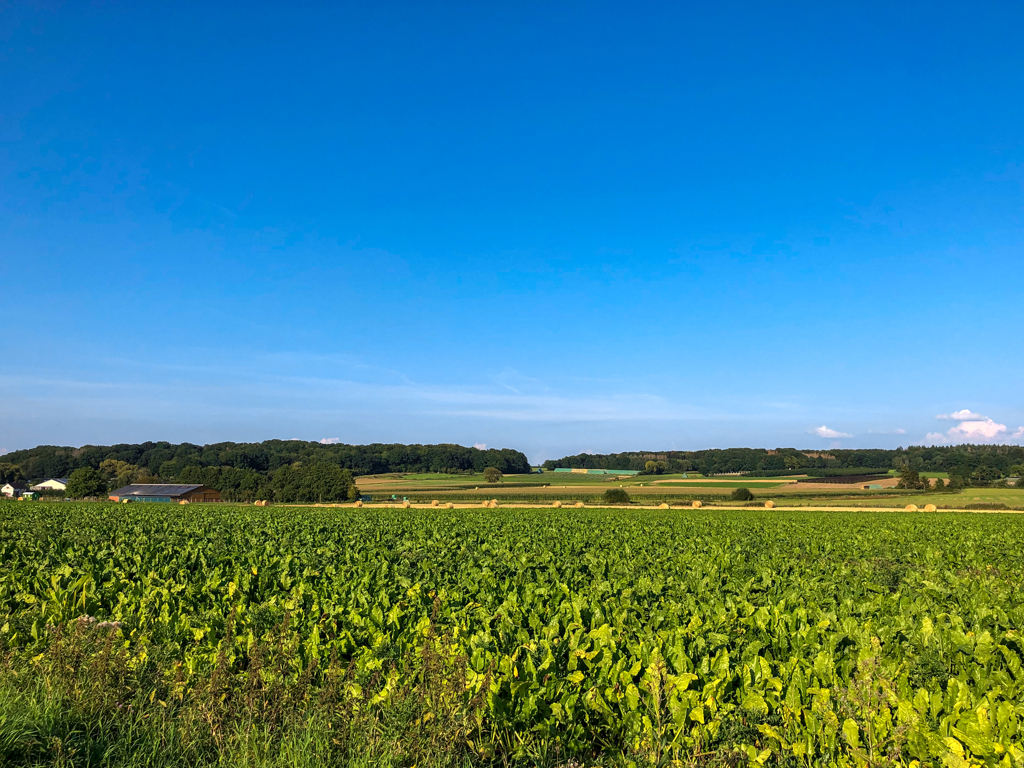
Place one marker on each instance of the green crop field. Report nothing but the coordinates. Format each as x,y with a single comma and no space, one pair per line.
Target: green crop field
424,481
1011,497
162,635
725,486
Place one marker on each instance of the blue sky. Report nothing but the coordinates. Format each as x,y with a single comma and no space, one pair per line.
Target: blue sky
555,227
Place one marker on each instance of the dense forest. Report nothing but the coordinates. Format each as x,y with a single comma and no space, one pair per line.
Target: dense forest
975,463
274,469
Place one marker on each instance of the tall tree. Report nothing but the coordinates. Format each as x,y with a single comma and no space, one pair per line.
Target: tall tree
86,482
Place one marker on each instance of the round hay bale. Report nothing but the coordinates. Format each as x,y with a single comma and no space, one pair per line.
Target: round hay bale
406,504
359,503
911,507
769,505
557,505
493,504
663,505
449,505
485,503
434,503
929,507
183,502
579,505
696,505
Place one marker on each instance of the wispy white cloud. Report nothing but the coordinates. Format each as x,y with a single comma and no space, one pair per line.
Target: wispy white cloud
330,440
246,395
935,437
824,431
887,431
964,415
480,446
1018,435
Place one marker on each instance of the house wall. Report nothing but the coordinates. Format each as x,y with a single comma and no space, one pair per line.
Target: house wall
201,496
52,485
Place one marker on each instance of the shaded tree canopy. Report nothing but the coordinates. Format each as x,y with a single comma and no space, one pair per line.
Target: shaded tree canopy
969,462
10,473
273,469
86,481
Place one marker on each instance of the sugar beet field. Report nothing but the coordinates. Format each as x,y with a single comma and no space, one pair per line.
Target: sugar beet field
222,635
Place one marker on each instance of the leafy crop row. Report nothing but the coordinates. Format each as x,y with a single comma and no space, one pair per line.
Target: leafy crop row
771,638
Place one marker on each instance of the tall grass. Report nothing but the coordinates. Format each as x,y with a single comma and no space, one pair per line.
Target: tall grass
88,700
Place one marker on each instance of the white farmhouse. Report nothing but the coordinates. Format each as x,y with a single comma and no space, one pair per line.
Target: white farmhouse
53,484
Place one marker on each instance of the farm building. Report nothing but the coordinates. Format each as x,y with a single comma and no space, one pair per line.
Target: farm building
165,492
10,490
53,484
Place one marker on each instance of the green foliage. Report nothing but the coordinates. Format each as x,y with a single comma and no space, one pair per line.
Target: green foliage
86,482
169,461
492,475
654,468
911,480
120,473
963,459
615,496
720,638
741,494
10,473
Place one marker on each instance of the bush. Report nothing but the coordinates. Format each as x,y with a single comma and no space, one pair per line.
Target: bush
615,496
85,482
492,475
742,494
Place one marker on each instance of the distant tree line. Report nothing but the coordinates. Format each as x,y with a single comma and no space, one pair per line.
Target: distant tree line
279,470
968,464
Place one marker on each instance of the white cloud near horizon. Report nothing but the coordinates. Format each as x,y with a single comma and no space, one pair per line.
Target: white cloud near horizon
973,428
330,440
480,446
824,431
981,430
963,415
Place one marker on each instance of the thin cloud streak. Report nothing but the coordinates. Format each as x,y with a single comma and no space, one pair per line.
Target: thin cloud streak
824,431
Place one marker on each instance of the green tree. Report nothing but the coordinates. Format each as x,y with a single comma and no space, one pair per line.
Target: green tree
10,473
940,485
492,475
615,496
326,482
742,494
86,482
910,479
984,475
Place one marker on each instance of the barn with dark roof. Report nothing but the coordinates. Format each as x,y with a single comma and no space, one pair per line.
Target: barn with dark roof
165,492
